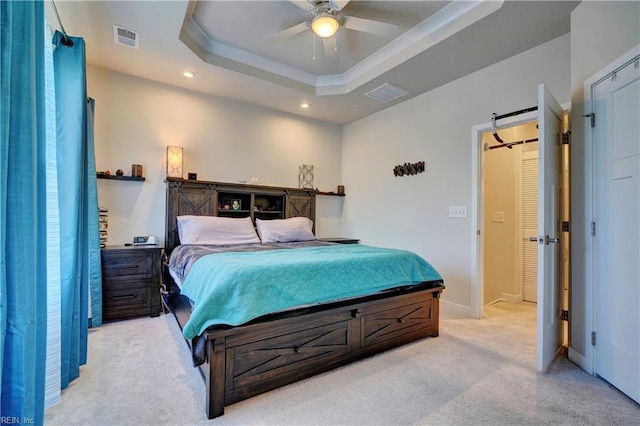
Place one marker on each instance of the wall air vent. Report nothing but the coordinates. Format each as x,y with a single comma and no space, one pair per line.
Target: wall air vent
386,93
126,37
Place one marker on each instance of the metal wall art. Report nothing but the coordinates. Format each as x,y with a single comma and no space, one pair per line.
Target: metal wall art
409,168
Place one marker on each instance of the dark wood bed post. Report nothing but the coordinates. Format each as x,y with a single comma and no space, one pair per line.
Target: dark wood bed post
436,313
215,377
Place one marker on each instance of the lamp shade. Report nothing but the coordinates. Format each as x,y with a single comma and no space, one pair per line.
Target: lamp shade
325,25
174,161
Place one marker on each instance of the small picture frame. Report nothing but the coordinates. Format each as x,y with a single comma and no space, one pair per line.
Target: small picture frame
236,204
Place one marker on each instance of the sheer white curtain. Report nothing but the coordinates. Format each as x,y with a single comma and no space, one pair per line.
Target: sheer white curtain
54,306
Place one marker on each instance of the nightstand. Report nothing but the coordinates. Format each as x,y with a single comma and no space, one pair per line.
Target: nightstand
130,281
341,240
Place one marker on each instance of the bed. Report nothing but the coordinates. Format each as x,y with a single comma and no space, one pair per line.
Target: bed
287,333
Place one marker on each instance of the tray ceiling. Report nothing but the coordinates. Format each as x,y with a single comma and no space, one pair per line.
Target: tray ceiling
223,43
236,35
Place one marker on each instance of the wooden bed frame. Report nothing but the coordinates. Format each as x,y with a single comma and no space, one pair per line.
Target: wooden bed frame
278,349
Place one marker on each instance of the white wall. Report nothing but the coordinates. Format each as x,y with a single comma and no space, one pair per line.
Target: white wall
411,212
223,140
601,32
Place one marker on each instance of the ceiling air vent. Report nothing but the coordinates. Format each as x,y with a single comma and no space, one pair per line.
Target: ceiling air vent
126,37
386,93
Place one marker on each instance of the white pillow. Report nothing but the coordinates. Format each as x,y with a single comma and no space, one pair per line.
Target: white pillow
216,230
285,230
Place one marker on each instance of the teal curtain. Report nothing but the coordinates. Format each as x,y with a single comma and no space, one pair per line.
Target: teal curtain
77,196
49,237
23,257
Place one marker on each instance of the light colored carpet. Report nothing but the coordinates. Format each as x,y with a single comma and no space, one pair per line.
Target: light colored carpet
477,372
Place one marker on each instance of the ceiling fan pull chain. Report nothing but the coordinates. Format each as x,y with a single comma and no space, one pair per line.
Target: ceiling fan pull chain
314,45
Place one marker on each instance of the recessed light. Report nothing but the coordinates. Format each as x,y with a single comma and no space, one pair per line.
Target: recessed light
305,105
189,74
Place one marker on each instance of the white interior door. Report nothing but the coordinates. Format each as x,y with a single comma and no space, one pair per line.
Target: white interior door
616,138
549,321
529,222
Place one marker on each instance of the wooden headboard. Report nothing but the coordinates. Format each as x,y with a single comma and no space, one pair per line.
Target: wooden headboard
204,198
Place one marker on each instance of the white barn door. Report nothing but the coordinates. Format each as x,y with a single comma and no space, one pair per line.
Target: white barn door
616,136
549,321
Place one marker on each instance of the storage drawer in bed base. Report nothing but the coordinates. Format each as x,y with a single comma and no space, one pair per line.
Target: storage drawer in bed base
249,360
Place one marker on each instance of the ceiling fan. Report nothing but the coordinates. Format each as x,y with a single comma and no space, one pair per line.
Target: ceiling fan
326,22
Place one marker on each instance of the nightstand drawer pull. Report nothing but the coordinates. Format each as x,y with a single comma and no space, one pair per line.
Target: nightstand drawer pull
130,266
124,296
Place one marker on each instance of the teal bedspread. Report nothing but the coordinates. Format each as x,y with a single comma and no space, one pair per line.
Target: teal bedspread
235,287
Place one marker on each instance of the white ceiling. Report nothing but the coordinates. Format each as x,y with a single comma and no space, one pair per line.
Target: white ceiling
223,42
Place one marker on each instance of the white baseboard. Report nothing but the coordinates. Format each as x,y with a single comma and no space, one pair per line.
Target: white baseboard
493,302
450,308
512,297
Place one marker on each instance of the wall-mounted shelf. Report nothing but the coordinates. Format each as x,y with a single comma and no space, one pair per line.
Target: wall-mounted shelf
116,177
335,194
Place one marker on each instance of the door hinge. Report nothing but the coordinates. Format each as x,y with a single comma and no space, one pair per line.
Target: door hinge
593,229
592,116
593,338
565,226
565,315
565,137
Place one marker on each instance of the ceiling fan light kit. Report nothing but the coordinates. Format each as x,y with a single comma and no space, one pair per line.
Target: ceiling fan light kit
325,25
327,19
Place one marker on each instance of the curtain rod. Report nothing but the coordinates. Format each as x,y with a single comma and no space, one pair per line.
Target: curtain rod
65,39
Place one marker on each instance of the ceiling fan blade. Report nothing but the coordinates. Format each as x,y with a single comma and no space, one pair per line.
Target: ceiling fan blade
302,4
340,4
330,49
369,26
289,32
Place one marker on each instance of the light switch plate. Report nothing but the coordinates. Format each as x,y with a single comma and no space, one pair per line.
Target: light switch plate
458,211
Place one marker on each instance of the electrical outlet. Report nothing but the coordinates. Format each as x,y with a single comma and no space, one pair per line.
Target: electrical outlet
458,211
498,217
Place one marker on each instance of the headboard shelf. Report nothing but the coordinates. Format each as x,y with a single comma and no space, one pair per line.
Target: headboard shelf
208,198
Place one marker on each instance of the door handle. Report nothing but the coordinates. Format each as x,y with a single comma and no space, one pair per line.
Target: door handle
548,240
533,239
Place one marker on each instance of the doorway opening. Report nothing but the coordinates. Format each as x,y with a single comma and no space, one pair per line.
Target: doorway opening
505,200
510,216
